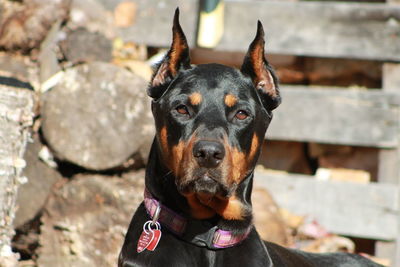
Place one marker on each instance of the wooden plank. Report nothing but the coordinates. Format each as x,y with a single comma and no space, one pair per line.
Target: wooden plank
337,116
329,29
391,77
388,171
389,163
386,250
351,30
344,208
389,160
153,22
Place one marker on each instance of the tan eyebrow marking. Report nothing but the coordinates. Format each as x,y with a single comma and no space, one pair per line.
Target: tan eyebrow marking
195,98
230,100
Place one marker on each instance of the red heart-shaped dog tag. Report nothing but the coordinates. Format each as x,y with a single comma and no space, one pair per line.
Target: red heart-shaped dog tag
156,238
144,240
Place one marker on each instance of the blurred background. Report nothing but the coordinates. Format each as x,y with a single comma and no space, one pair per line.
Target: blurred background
76,126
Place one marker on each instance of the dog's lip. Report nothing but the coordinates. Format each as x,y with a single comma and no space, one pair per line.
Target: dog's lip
189,188
207,176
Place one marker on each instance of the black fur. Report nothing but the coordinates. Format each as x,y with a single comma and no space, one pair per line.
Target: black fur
231,109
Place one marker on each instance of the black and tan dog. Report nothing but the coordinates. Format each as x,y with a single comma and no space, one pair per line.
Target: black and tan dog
210,122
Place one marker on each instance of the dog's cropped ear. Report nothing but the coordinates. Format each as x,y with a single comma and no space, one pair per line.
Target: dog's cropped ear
175,60
257,67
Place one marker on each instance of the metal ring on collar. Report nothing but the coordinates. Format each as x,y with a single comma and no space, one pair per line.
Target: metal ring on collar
156,215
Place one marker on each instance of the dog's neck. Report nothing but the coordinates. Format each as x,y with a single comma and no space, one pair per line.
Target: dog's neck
160,182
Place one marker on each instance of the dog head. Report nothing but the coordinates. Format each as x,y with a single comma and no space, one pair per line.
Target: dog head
210,122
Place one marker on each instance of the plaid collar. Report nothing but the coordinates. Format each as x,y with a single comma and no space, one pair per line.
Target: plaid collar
198,232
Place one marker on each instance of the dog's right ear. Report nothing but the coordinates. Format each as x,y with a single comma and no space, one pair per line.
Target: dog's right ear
175,60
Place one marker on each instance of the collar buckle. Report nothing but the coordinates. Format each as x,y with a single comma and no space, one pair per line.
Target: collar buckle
201,234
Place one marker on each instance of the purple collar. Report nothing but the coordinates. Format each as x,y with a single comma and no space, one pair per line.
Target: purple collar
193,231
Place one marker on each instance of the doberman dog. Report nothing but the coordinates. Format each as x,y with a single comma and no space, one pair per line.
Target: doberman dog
210,123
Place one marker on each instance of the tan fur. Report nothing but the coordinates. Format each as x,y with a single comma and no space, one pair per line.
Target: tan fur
257,56
199,210
181,160
229,209
176,158
195,98
178,46
263,77
203,207
164,141
230,100
238,165
254,147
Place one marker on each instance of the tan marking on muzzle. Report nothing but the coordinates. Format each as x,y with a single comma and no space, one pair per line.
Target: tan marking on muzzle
182,161
176,158
240,162
254,147
239,165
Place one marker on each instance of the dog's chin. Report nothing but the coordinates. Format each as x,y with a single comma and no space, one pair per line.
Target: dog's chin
205,187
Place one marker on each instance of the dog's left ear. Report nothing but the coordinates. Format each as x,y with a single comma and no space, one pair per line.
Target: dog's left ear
175,60
257,67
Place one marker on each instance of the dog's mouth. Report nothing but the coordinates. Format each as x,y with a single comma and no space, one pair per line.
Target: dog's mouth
206,184
208,195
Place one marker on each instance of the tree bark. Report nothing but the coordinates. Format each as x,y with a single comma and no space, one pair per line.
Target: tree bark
16,106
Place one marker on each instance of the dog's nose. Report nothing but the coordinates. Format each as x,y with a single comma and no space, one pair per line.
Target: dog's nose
208,154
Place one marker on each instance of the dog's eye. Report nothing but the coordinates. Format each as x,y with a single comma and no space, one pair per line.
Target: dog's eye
241,115
182,109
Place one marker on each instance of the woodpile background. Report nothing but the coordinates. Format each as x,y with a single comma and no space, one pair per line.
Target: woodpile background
76,127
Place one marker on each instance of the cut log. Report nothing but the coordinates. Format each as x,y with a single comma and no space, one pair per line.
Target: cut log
267,218
92,15
33,194
16,107
78,47
348,157
98,116
86,220
16,71
285,156
25,25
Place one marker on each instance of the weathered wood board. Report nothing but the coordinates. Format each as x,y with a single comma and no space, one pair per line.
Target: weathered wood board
362,210
337,116
389,163
153,22
326,29
354,30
